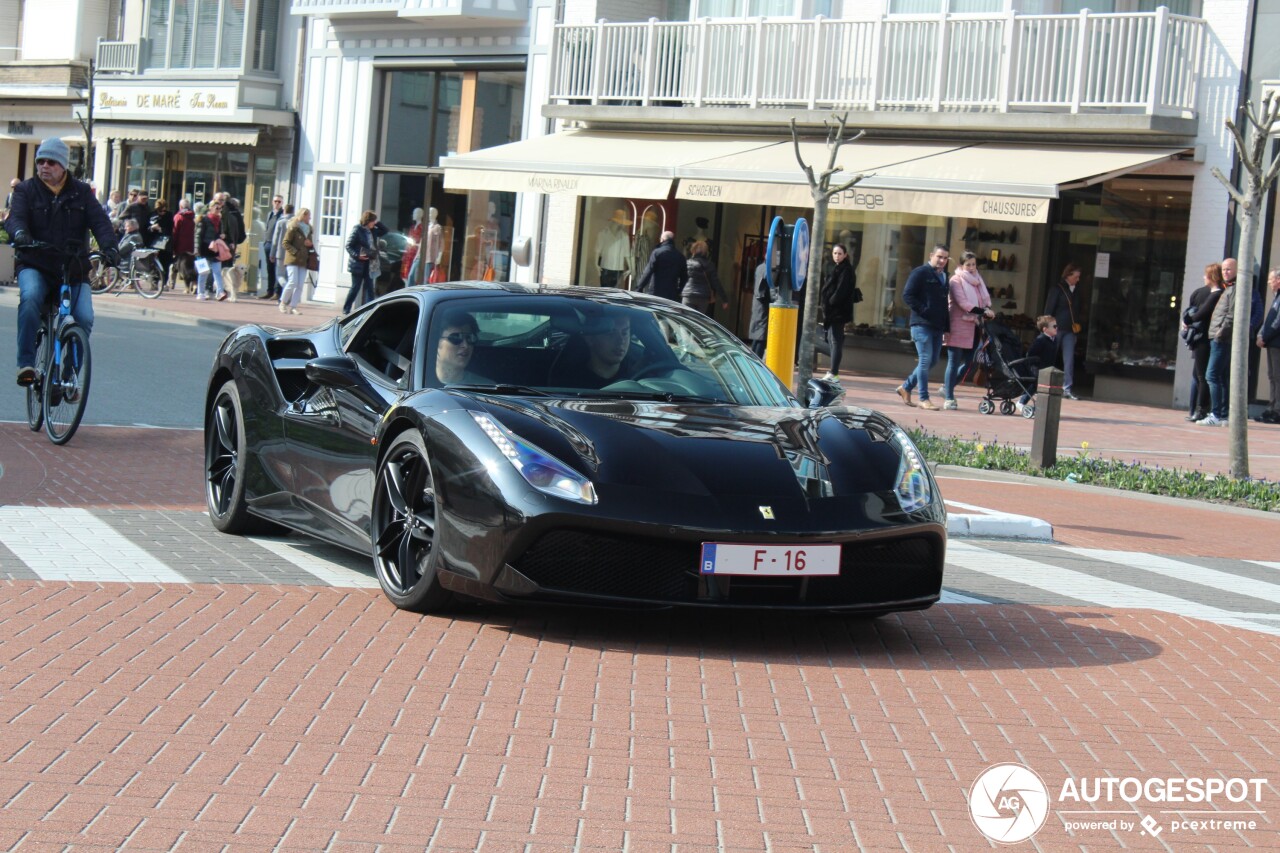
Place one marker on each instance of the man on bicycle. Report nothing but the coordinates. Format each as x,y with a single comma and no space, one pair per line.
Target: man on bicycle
56,209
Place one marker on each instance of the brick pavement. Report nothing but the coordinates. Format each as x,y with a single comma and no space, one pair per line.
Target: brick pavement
169,717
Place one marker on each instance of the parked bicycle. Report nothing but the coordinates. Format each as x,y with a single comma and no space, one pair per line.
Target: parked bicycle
57,397
143,272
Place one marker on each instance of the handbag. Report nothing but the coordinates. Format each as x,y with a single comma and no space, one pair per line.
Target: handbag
1075,327
202,266
313,260
221,249
375,269
160,244
857,295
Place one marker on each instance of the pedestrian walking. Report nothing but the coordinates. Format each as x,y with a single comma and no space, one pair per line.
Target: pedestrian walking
968,300
233,233
268,248
211,250
277,244
926,293
362,258
183,245
1065,304
761,299
666,271
297,247
702,280
838,293
161,230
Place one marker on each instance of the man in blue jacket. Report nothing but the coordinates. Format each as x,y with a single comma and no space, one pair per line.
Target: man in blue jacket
925,294
1268,338
56,209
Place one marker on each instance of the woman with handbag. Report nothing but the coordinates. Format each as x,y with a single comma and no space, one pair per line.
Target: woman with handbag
209,251
362,258
1195,332
298,249
967,301
1064,304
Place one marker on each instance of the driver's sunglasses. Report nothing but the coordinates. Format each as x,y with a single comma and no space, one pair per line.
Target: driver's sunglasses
459,338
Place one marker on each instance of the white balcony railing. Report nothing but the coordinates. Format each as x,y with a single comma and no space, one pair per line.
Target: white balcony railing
1145,63
117,56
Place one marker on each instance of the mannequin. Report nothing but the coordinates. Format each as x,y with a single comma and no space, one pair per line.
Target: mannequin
646,240
430,246
613,249
435,241
409,264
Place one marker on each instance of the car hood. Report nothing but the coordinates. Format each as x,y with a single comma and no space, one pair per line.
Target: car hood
707,449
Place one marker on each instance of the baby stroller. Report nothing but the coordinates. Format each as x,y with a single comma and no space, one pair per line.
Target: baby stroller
1009,374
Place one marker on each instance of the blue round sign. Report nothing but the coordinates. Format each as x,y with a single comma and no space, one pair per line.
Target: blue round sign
776,229
799,254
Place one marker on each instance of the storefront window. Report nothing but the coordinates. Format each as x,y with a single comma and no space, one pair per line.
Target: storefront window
146,171
499,108
1129,236
423,117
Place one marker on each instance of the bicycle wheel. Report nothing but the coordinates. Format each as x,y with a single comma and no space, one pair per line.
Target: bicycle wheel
66,385
35,391
102,277
149,279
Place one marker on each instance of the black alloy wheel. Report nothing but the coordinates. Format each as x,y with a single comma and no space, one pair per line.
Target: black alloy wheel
404,528
224,464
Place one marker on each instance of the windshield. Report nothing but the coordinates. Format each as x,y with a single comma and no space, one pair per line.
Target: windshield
581,347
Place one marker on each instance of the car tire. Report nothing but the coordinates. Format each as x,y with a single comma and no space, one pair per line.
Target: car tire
403,528
225,462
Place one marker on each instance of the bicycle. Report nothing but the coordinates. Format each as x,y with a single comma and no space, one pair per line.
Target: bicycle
56,398
144,273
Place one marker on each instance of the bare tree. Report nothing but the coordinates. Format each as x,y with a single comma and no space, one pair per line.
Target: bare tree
1258,178
822,190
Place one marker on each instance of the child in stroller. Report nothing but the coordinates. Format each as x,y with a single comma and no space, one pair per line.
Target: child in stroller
1009,374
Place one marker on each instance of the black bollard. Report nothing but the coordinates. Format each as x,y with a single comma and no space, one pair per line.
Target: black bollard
1044,437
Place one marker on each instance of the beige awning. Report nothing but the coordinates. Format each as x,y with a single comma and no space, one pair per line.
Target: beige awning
193,133
590,163
1011,182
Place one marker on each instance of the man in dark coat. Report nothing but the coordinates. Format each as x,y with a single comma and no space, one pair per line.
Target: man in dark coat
267,248
925,293
140,212
56,209
667,270
1268,338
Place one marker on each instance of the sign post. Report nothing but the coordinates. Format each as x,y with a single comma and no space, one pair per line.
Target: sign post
790,244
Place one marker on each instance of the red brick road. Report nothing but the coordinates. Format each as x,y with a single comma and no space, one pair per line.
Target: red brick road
157,718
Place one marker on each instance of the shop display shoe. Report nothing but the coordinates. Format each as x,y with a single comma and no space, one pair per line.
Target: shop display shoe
1013,235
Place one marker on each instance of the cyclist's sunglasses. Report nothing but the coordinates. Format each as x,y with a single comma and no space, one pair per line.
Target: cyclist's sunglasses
458,338
44,161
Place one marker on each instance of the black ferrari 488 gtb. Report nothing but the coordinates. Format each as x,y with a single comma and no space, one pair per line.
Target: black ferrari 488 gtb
569,445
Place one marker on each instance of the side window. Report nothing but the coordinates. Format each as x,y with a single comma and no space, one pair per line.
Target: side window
386,341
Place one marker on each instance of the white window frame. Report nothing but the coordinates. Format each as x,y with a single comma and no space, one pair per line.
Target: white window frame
330,206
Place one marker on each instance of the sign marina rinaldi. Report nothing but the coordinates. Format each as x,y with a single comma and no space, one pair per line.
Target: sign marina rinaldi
1009,803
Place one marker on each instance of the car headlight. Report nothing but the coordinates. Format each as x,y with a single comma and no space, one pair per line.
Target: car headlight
541,470
912,484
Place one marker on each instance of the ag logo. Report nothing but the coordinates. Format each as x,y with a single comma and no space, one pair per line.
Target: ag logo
1008,803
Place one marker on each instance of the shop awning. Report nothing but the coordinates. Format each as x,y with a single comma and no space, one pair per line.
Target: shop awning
591,163
983,181
192,133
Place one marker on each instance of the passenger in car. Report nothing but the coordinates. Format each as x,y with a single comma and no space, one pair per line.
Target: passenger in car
454,348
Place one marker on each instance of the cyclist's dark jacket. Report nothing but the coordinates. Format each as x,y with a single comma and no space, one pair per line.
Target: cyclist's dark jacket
56,220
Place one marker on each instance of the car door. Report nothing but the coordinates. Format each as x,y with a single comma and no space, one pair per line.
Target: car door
330,432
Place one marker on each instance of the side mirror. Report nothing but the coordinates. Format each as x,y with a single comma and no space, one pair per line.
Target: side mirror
340,372
823,392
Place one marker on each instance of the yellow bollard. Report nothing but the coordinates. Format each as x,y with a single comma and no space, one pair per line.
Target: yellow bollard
780,353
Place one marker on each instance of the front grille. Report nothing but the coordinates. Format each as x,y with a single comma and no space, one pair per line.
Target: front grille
590,563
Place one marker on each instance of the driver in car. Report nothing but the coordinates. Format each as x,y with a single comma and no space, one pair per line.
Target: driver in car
454,348
606,360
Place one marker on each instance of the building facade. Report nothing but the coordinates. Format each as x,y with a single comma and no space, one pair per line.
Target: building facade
192,100
390,89
1033,134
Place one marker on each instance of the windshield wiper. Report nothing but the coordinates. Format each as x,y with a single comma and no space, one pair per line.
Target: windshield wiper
502,389
662,396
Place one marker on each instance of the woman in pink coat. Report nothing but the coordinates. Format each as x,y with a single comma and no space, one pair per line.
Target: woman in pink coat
968,300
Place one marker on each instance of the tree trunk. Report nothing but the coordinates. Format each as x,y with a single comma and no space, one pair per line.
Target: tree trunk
1238,414
812,287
